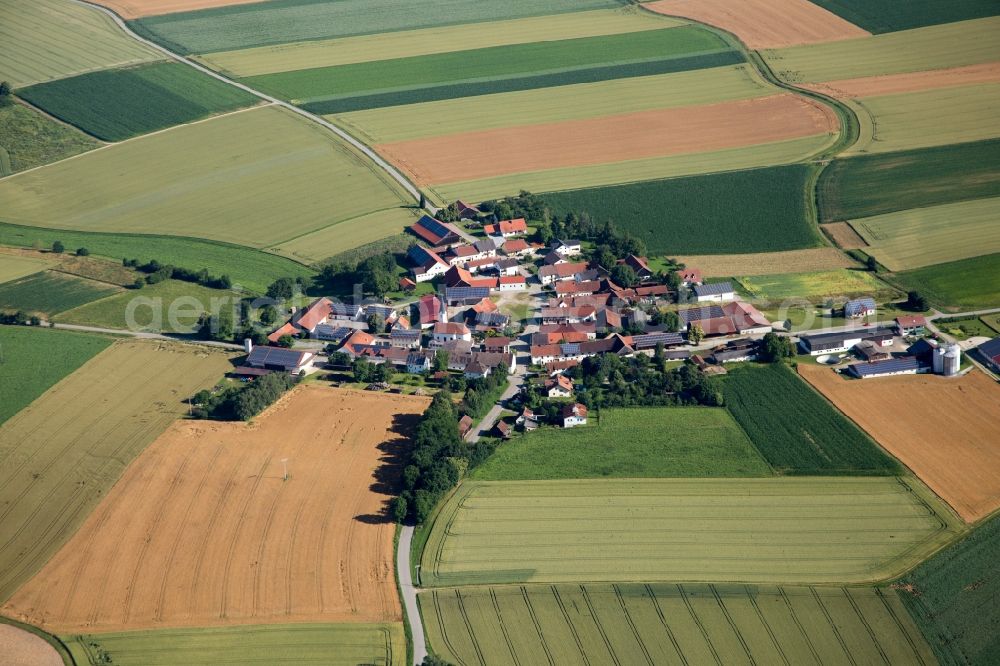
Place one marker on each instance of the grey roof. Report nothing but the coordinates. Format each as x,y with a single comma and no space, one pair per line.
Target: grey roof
649,340
275,356
344,309
832,340
416,358
901,364
492,319
384,310
507,263
859,305
332,333
990,348
713,289
405,333
419,255
698,314
485,245
466,293
730,354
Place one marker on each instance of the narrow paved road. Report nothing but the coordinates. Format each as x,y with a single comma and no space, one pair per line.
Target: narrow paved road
409,593
516,381
145,335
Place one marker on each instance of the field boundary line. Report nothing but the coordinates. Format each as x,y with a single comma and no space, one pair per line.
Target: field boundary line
895,618
666,625
864,623
767,627
631,623
697,621
536,624
798,624
732,624
272,246
597,623
833,625
569,624
503,627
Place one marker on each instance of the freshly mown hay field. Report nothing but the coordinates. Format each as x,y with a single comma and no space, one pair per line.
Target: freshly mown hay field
892,84
60,455
874,184
617,138
932,235
203,531
282,21
566,102
763,155
131,9
428,41
922,49
36,358
796,430
252,269
207,180
13,267
632,443
888,16
49,39
944,429
171,306
952,597
814,286
671,624
329,644
846,530
117,104
768,263
765,24
29,139
24,648
49,292
966,284
759,210
347,235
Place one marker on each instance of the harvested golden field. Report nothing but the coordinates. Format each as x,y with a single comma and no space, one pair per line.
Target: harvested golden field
768,263
844,235
631,136
890,84
132,9
202,530
22,648
765,24
947,430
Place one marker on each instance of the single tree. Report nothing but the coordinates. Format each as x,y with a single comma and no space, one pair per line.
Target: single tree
671,321
696,334
82,252
58,247
282,289
624,275
916,302
872,264
286,341
774,348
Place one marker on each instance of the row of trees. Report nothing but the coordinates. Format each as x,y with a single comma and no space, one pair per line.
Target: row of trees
19,318
157,272
242,402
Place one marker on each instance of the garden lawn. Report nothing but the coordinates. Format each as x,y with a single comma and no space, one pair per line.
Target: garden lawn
118,104
171,306
631,443
33,359
890,15
48,293
29,139
964,285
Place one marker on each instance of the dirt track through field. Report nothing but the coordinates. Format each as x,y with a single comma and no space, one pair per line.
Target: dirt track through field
765,24
892,84
132,9
203,531
946,430
632,136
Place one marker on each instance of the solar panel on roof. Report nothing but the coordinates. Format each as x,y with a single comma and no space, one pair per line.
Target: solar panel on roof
433,226
462,293
697,314
713,288
653,339
332,333
886,367
570,349
274,356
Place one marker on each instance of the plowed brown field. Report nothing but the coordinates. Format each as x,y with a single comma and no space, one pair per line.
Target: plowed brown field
765,24
891,84
131,9
691,129
946,430
844,235
202,530
21,648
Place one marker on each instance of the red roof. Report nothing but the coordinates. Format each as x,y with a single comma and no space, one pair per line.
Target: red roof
570,287
690,275
450,328
911,321
516,245
406,283
489,283
512,279
430,308
287,329
575,410
563,270
497,343
315,314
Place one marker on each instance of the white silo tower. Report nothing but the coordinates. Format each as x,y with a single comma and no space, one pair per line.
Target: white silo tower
952,360
937,360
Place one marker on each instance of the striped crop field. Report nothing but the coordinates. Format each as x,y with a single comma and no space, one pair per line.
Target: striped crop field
671,624
808,530
62,453
51,292
43,40
207,180
967,284
888,15
936,234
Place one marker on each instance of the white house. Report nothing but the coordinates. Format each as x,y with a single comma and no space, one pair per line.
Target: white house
559,387
574,415
716,292
567,248
447,331
513,283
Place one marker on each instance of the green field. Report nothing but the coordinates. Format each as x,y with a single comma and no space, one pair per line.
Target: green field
918,50
33,359
328,644
778,530
761,210
61,454
428,41
487,64
966,284
933,235
889,15
568,102
118,104
13,266
29,139
348,235
953,598
50,293
631,443
252,269
671,624
795,428
874,184
814,286
49,39
207,180
281,21
149,308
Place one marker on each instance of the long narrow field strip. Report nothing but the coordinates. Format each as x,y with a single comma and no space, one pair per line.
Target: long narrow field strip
34,359
894,84
889,15
328,644
813,286
49,39
671,624
922,49
887,182
924,236
630,171
61,454
130,9
50,292
965,285
943,429
29,138
13,267
846,530
429,41
768,263
202,530
319,245
630,136
549,105
207,180
117,104
765,24
283,21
